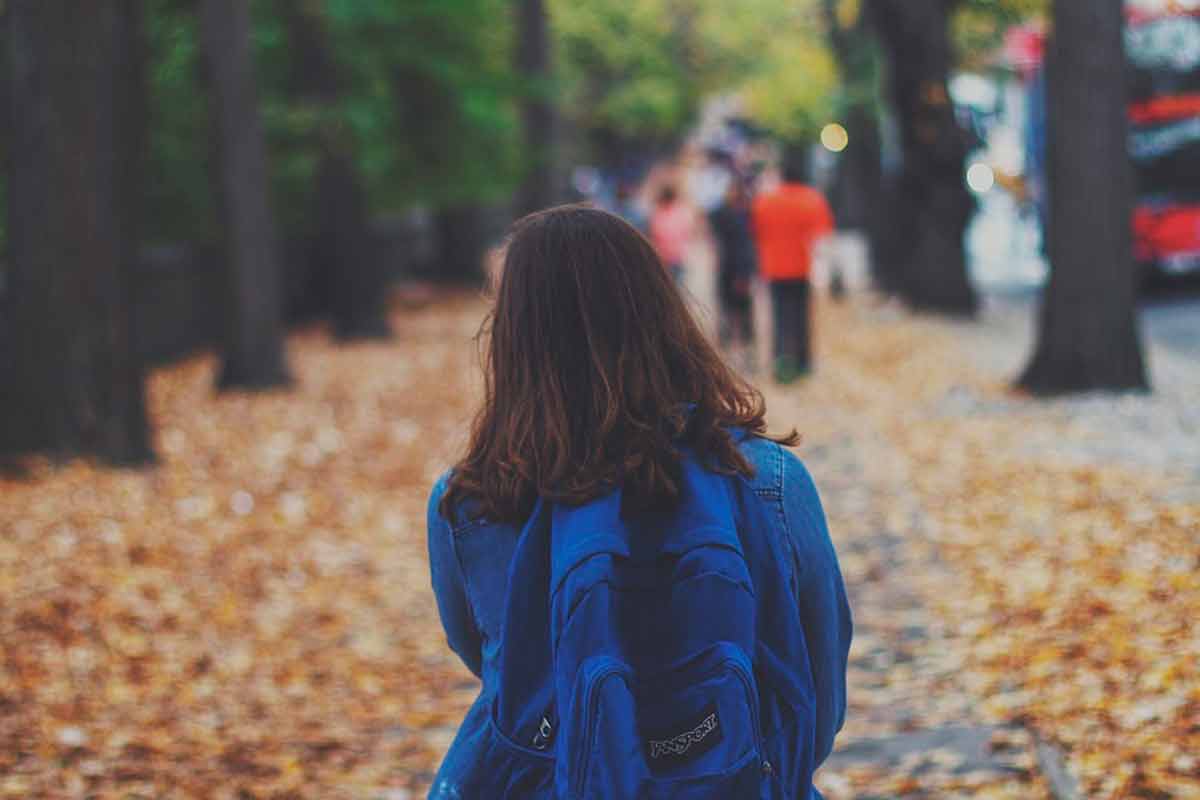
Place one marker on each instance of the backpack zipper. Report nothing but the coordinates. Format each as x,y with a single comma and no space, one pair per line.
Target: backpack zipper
752,697
592,699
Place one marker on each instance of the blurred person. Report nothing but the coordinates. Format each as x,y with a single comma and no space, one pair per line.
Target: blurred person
708,183
628,206
737,264
672,228
592,553
790,221
1035,134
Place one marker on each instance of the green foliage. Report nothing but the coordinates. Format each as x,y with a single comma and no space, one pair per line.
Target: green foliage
624,68
426,106
427,97
179,201
979,26
638,72
792,84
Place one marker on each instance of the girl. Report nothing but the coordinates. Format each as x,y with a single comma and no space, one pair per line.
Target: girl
598,383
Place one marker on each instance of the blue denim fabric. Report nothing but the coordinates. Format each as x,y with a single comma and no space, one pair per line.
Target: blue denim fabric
469,563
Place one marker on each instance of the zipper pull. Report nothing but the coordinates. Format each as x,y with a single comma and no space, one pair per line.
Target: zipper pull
545,735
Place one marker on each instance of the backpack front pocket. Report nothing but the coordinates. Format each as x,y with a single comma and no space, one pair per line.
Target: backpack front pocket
691,730
789,725
506,770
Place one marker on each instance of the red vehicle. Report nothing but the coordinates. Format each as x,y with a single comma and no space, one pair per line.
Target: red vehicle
1163,46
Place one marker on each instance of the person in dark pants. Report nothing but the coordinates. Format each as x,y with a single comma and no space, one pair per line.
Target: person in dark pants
793,346
737,262
789,222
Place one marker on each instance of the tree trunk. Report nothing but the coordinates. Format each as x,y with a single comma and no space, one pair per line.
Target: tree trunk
347,253
73,382
858,180
538,115
460,242
1088,337
859,173
350,265
254,335
928,202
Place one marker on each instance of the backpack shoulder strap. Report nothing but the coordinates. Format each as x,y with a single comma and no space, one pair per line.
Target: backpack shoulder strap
526,657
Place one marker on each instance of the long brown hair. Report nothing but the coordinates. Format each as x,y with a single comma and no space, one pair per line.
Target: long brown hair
596,375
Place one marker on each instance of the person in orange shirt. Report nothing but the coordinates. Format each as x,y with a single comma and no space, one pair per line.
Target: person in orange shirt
789,222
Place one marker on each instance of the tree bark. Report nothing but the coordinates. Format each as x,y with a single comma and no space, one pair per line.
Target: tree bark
538,115
254,335
73,381
461,243
1088,335
858,180
345,255
928,204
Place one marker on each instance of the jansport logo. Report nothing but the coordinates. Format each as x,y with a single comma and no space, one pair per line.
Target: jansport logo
694,741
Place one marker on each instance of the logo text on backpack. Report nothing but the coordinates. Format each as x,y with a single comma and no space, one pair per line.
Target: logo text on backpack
696,740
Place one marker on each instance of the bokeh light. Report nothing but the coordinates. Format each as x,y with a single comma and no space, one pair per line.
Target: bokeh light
981,178
834,137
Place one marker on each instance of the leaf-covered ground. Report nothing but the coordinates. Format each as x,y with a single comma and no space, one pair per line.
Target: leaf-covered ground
252,617
1058,544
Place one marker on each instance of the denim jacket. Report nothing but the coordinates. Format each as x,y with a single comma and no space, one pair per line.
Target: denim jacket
469,563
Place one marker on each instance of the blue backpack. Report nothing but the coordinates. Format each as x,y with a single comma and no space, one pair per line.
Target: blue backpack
655,656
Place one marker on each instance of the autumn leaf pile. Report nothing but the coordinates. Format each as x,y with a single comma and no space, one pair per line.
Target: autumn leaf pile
1073,583
251,618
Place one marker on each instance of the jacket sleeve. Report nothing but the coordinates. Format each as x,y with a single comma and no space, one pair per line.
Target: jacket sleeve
449,586
821,596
